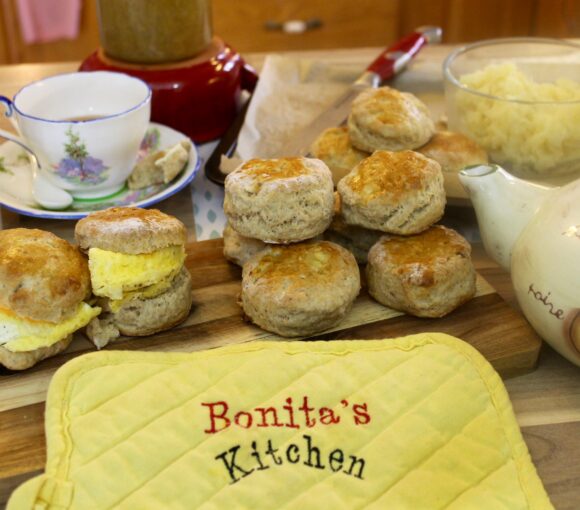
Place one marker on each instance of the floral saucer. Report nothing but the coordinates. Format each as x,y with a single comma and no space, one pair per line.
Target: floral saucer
16,180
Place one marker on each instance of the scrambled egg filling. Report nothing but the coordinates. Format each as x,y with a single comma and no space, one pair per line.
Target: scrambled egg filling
18,334
115,275
146,293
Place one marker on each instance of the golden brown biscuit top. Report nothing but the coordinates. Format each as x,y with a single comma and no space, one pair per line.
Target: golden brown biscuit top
390,173
303,261
451,142
335,141
453,151
129,230
42,277
424,248
389,105
331,141
116,214
264,170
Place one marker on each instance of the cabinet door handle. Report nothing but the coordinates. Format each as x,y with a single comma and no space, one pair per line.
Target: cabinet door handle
294,26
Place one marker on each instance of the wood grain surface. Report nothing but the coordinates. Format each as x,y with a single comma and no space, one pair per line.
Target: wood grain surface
487,322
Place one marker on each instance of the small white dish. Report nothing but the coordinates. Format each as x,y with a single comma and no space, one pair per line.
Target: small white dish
16,180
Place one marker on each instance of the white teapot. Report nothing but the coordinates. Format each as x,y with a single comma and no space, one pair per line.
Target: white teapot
533,231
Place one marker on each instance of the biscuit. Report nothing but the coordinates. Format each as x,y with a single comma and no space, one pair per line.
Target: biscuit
359,252
143,317
26,359
279,200
237,248
357,240
394,192
426,275
386,119
334,148
42,277
299,289
453,151
129,230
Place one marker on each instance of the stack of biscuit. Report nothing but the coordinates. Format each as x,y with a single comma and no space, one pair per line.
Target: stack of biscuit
292,283
388,167
386,119
415,267
398,189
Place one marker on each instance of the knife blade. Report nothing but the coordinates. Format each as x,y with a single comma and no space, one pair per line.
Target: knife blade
389,63
225,148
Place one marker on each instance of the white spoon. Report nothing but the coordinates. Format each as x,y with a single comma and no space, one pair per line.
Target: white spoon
45,192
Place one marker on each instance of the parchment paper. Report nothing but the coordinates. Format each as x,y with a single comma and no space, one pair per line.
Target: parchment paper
292,92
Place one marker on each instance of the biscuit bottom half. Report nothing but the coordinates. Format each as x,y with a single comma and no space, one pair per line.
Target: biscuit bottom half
142,316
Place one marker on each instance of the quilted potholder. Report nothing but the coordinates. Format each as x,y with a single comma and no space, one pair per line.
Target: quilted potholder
421,422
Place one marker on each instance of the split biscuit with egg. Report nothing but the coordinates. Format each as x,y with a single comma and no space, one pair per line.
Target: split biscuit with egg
44,282
280,201
334,147
426,275
394,192
136,262
300,289
386,119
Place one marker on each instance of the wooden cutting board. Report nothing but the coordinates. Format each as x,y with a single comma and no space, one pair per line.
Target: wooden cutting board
486,322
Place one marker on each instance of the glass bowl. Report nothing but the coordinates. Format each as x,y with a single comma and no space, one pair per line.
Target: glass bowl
519,98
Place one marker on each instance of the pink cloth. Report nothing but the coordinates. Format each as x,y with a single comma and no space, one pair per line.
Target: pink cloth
48,20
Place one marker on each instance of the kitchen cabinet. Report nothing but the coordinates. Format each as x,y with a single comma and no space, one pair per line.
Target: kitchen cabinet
258,25
344,23
266,25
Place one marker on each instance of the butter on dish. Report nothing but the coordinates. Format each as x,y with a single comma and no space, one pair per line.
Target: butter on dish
419,422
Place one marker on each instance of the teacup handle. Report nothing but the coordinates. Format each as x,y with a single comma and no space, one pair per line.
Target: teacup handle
11,136
9,105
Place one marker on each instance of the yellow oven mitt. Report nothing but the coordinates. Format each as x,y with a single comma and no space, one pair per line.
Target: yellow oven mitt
421,422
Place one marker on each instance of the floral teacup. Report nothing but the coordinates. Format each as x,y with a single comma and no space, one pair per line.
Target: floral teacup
84,128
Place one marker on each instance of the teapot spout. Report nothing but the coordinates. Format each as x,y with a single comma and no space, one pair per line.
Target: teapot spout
503,204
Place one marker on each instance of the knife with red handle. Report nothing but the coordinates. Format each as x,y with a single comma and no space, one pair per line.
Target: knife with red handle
395,58
389,63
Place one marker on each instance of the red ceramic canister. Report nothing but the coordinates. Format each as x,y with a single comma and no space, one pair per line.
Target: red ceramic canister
199,96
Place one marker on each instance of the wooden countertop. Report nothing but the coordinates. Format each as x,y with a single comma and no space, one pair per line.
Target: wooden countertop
546,402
